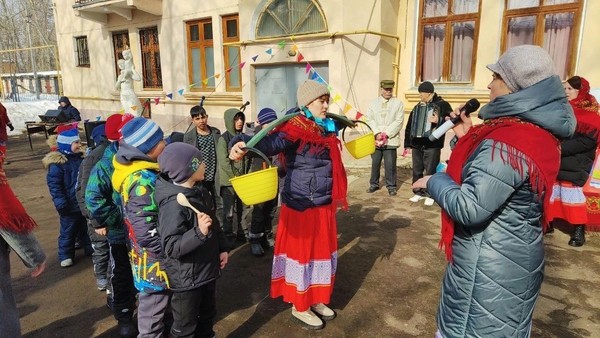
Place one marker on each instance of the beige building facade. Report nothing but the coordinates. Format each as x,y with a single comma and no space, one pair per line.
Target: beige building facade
260,50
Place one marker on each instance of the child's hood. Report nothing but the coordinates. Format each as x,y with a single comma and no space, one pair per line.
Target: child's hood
54,157
166,190
228,117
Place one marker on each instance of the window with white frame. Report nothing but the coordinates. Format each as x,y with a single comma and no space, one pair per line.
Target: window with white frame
287,17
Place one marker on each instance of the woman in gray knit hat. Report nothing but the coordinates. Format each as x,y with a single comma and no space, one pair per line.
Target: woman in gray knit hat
494,195
315,185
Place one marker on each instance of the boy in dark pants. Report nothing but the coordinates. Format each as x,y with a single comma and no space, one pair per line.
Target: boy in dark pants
134,177
233,209
105,207
262,213
63,167
192,241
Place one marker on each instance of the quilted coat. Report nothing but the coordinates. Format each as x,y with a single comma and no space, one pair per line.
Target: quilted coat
491,286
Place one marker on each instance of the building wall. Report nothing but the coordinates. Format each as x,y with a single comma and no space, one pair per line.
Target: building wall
356,62
488,51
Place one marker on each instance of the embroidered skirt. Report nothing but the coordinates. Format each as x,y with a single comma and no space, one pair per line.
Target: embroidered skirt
305,259
567,202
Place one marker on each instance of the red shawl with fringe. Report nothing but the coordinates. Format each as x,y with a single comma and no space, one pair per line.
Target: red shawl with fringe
13,216
306,132
586,109
516,137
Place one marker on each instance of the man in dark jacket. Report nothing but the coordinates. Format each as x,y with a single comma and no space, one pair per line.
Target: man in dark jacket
422,121
71,112
205,138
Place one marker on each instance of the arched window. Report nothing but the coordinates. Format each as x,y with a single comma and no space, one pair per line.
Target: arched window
290,17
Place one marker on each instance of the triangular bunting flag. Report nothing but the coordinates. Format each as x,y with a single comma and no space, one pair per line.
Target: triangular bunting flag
294,48
308,68
314,76
170,96
321,80
242,64
330,88
281,44
156,101
190,86
358,115
269,51
217,75
227,70
180,91
205,82
337,98
134,108
300,57
347,108
122,111
254,58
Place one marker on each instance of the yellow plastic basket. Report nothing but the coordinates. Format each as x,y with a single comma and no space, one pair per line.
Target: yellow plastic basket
259,186
361,146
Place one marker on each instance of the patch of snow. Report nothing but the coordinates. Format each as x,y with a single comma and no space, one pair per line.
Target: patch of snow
19,112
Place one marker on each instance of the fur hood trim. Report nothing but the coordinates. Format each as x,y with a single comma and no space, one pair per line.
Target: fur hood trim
54,157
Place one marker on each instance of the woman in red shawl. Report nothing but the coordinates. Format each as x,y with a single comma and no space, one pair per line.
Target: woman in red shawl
578,154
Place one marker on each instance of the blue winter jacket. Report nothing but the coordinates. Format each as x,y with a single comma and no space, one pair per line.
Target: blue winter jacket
309,180
62,180
490,288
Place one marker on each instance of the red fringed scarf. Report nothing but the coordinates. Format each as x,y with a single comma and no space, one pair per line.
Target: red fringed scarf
542,156
13,216
302,130
586,109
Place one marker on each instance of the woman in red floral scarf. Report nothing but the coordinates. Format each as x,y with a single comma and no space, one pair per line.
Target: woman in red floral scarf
578,154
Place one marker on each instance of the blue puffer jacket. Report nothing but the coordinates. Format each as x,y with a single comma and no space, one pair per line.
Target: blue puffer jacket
490,288
62,180
308,181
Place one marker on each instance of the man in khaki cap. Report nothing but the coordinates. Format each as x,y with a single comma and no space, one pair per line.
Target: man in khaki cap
385,116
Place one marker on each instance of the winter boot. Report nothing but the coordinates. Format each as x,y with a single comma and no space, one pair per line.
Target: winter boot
578,237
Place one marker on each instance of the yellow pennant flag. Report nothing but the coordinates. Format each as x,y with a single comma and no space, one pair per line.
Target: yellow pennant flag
347,108
190,86
134,108
337,98
217,75
205,82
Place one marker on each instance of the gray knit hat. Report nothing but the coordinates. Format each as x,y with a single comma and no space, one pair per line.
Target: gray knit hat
309,91
180,161
523,66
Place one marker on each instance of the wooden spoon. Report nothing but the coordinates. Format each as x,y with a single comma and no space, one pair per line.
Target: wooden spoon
183,201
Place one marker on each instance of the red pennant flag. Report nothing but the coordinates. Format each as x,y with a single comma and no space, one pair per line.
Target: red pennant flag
358,115
156,101
228,70
242,64
300,57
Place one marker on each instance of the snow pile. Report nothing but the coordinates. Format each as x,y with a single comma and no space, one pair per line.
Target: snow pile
19,112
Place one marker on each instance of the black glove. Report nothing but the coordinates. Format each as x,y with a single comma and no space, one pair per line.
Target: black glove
10,126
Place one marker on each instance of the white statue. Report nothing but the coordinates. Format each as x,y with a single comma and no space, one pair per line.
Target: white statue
129,100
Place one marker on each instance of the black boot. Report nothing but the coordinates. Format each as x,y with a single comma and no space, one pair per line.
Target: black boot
578,237
550,228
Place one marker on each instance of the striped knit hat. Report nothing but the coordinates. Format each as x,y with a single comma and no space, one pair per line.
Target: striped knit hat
142,134
65,139
266,115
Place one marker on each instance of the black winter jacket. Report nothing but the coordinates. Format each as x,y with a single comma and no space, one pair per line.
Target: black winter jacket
192,259
443,109
576,158
84,175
